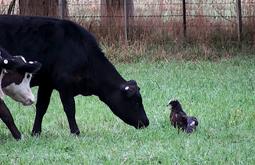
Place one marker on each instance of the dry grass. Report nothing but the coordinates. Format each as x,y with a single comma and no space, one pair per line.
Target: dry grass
161,37
158,32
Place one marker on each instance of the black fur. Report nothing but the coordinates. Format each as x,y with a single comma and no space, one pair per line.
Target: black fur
73,64
179,118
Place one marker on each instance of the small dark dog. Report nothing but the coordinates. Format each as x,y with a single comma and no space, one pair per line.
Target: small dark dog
180,119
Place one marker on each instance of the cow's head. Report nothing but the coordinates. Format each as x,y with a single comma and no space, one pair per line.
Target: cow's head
126,103
6,62
16,82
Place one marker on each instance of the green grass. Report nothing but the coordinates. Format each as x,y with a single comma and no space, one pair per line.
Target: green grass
221,94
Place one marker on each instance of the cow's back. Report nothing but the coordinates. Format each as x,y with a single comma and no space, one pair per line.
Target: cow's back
60,45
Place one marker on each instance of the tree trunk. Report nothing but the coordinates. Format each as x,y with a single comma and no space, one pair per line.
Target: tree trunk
42,7
112,14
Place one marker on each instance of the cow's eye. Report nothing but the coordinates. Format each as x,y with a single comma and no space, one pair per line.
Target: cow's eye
28,76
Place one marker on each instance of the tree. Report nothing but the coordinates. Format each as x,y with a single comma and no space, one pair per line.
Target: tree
112,12
42,7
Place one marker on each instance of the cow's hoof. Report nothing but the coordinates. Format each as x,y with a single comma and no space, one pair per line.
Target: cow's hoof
17,137
36,134
75,132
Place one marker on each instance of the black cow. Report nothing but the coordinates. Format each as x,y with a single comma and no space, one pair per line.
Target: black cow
15,78
73,64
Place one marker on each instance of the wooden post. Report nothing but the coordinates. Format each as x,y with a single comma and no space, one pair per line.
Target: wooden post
239,20
61,8
125,21
184,18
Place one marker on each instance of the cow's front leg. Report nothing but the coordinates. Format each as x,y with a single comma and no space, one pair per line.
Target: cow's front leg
69,108
43,100
7,118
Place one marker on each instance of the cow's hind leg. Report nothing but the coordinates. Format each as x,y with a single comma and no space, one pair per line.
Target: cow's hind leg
43,100
69,108
7,118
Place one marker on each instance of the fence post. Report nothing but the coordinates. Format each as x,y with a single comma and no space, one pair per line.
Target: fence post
125,21
239,20
61,8
184,18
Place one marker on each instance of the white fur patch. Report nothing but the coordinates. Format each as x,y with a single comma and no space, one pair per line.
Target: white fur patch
192,123
21,92
21,58
1,78
30,62
127,88
170,101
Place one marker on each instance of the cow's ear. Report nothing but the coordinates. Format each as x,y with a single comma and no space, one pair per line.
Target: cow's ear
29,67
129,89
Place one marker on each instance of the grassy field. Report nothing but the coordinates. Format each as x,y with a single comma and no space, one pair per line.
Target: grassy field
221,94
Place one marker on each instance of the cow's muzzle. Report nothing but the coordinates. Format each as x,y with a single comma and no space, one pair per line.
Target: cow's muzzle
142,124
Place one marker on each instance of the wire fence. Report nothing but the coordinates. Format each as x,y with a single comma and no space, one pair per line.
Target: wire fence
224,20
164,19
